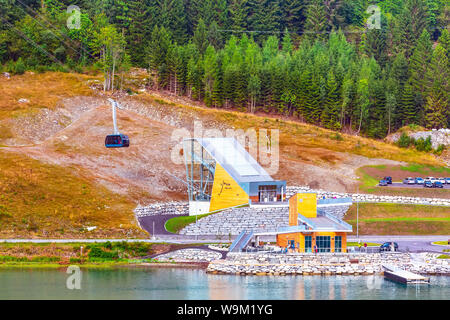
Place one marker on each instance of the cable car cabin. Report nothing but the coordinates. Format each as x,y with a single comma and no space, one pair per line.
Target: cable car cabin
117,141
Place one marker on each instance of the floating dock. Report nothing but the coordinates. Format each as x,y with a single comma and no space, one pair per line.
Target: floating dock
403,276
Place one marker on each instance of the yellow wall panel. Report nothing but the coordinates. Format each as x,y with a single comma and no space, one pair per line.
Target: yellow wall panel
226,192
307,204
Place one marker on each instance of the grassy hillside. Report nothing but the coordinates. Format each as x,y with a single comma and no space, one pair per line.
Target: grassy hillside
395,219
41,200
43,90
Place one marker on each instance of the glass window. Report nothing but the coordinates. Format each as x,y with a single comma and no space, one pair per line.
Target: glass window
338,244
308,244
323,243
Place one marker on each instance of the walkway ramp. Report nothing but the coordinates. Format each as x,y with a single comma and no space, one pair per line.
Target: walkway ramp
403,276
241,241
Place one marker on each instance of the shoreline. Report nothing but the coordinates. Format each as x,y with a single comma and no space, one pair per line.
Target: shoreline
186,265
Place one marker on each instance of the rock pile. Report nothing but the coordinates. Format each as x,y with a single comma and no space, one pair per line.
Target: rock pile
438,137
188,255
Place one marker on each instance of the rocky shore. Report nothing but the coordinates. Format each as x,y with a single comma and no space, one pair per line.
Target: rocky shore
325,264
186,255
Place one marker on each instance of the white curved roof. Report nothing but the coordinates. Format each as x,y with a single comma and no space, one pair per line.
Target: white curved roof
230,154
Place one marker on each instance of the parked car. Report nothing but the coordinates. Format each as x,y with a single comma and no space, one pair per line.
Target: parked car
447,180
419,181
383,183
434,179
409,180
442,180
437,184
387,246
428,184
388,180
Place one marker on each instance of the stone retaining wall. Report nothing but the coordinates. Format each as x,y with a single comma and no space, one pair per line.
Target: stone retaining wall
321,264
234,221
164,208
291,190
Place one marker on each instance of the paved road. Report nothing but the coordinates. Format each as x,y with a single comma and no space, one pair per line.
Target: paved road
408,243
146,223
410,186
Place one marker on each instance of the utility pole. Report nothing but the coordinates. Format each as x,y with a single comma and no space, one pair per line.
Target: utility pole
154,237
357,215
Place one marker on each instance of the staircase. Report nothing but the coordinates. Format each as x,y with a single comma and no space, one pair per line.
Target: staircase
241,241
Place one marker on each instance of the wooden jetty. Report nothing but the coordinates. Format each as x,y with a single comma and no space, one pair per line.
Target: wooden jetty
403,276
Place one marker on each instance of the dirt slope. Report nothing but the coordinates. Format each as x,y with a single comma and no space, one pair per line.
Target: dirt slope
66,125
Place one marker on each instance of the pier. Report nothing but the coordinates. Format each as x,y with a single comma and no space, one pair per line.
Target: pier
403,276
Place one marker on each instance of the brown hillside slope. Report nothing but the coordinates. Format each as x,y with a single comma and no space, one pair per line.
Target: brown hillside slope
65,122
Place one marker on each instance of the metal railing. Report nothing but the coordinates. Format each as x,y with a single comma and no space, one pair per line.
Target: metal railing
274,249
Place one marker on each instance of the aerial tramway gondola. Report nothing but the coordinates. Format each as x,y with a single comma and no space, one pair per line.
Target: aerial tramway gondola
116,140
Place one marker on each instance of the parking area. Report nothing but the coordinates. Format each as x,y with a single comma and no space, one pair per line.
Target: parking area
403,185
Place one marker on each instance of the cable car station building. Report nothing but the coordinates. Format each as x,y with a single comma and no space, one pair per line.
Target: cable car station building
221,174
310,227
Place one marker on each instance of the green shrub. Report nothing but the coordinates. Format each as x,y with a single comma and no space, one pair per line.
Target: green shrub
19,67
9,67
13,259
108,245
405,141
75,260
45,259
97,252
439,149
424,144
337,137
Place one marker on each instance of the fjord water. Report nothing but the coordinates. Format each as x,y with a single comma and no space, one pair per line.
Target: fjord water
174,283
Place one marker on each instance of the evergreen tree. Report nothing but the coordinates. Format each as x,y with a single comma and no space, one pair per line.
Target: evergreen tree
172,16
419,61
287,43
437,103
200,38
210,73
410,25
444,40
376,43
139,32
265,16
316,21
331,105
293,14
238,11
215,36
408,106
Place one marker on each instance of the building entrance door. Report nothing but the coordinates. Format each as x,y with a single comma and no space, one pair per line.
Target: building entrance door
267,193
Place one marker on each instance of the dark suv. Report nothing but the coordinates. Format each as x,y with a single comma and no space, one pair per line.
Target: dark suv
387,246
388,180
437,184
